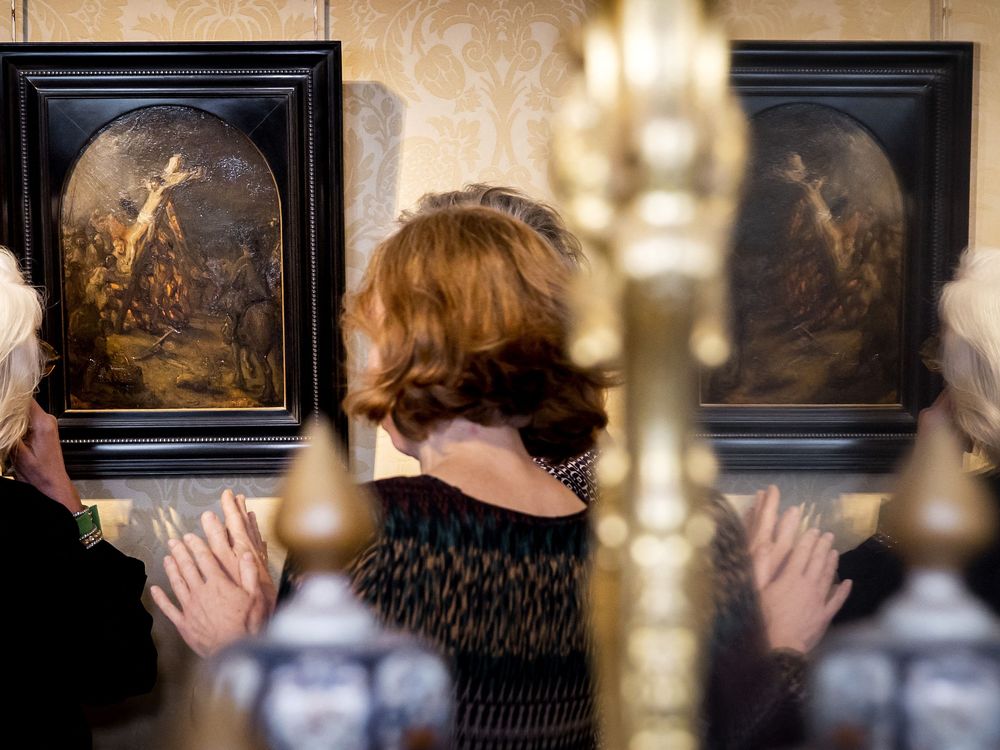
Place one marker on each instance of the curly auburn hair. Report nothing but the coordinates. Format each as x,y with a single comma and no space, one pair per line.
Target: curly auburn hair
468,310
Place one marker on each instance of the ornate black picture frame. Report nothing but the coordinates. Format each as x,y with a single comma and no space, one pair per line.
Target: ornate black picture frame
856,209
182,207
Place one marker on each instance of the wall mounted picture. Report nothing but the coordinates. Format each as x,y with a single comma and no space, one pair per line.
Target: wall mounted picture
170,240
820,326
182,206
855,209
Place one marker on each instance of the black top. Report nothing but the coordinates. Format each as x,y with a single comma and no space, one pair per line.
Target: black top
503,594
77,631
878,572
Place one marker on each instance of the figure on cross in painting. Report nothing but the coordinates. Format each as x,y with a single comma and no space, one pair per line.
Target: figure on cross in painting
817,267
156,224
172,255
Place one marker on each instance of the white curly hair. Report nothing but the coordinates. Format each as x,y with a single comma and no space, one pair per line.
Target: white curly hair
20,354
970,356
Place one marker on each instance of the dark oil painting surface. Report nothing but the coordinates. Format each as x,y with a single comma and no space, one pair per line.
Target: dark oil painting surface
817,267
170,238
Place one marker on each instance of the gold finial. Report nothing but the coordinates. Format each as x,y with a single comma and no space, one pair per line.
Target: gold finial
325,520
217,724
647,159
940,515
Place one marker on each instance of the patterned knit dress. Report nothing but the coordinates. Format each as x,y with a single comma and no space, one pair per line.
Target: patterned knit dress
501,593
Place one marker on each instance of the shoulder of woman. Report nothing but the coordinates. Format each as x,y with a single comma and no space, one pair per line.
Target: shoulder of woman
398,500
22,503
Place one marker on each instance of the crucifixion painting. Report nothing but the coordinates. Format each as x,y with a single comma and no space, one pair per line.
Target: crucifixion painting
171,243
817,267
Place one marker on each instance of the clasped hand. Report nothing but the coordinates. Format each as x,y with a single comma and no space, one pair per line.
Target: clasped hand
222,585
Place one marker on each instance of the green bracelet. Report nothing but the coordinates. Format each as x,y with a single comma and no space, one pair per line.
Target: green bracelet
87,521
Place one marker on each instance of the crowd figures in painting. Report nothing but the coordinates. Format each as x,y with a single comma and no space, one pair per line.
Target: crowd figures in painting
170,235
817,267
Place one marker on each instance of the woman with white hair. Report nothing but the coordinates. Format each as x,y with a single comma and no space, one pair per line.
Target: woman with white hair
970,363
970,356
77,630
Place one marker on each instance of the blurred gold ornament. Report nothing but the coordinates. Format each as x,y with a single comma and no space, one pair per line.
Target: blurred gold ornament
940,515
325,519
648,161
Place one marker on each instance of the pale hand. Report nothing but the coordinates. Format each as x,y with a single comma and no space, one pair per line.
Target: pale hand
234,537
800,601
215,609
941,412
770,540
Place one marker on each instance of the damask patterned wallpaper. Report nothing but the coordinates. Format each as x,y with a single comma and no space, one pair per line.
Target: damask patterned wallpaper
442,92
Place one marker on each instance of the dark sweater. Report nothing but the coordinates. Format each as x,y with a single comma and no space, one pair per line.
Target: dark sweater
77,631
503,595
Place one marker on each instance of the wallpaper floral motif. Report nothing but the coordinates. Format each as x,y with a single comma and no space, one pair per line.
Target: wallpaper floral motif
479,81
219,20
827,19
373,131
443,92
76,20
979,20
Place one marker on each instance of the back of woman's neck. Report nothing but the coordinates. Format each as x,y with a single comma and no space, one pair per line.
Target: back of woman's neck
491,464
464,442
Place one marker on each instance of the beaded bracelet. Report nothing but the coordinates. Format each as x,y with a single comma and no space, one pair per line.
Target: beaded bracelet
91,538
88,523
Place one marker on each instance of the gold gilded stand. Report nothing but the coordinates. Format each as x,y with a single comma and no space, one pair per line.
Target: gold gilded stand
648,156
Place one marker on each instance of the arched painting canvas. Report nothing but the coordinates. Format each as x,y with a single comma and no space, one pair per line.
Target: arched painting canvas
817,266
170,234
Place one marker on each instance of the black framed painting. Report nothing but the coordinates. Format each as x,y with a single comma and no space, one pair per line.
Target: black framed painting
182,206
855,210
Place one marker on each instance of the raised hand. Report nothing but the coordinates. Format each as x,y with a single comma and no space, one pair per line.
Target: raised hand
801,599
215,608
38,459
770,539
941,412
238,536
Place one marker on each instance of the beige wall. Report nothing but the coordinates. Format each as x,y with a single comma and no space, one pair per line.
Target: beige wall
442,93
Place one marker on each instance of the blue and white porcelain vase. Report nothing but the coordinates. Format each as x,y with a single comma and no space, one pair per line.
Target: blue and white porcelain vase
924,673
